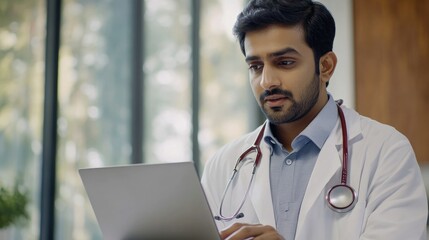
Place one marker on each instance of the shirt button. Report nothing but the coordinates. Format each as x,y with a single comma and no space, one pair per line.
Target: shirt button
288,162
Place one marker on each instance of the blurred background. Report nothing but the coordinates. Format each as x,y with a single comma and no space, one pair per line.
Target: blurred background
90,83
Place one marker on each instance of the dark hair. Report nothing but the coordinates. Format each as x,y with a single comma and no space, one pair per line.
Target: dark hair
316,21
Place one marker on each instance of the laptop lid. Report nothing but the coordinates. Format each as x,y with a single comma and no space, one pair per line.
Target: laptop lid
149,201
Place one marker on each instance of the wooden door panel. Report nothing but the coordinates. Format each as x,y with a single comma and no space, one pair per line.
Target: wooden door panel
392,66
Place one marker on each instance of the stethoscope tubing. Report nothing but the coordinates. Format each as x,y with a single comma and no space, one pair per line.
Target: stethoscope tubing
345,146
254,148
334,201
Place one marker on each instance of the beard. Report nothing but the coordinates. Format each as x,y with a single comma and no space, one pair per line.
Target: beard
298,109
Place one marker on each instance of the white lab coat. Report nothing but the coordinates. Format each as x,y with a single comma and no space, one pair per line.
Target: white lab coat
391,204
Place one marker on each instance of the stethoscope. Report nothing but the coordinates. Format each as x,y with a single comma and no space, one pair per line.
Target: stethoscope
340,198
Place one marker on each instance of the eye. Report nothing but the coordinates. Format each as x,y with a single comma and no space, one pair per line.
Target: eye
286,62
255,67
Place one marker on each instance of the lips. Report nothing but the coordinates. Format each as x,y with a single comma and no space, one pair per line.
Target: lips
275,100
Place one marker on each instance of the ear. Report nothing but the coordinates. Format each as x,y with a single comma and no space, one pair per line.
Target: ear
327,64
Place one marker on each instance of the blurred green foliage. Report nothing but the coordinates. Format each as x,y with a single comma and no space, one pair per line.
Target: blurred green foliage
13,207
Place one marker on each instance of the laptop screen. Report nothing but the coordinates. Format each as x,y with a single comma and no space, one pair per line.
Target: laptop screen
149,201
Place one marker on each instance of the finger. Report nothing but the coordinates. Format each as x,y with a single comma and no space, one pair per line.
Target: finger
232,229
269,233
246,231
258,232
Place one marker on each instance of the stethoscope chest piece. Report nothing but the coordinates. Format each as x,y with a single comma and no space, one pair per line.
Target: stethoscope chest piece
341,198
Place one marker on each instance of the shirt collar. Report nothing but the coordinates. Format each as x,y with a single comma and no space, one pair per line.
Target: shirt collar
317,131
321,126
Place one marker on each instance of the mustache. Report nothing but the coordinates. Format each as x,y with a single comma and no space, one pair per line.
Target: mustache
275,91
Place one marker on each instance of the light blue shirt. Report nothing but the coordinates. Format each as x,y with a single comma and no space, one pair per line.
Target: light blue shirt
291,171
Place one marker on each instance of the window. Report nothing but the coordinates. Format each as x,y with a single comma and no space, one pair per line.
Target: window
22,45
94,105
95,81
228,108
167,85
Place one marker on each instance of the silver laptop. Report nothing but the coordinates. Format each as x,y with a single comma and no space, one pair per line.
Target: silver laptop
149,201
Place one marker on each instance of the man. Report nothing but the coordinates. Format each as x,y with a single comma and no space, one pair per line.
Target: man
307,146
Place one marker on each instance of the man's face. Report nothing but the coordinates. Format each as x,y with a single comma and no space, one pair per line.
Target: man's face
282,73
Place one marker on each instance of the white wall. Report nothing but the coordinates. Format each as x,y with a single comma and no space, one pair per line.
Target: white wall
342,83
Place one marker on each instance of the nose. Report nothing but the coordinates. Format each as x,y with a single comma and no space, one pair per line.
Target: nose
269,80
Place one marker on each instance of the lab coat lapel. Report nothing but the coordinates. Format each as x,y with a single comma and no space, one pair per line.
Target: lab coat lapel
261,193
327,164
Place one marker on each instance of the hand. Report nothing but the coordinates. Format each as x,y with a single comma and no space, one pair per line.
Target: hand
241,231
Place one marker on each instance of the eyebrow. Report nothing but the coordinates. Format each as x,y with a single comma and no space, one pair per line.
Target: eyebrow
281,52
